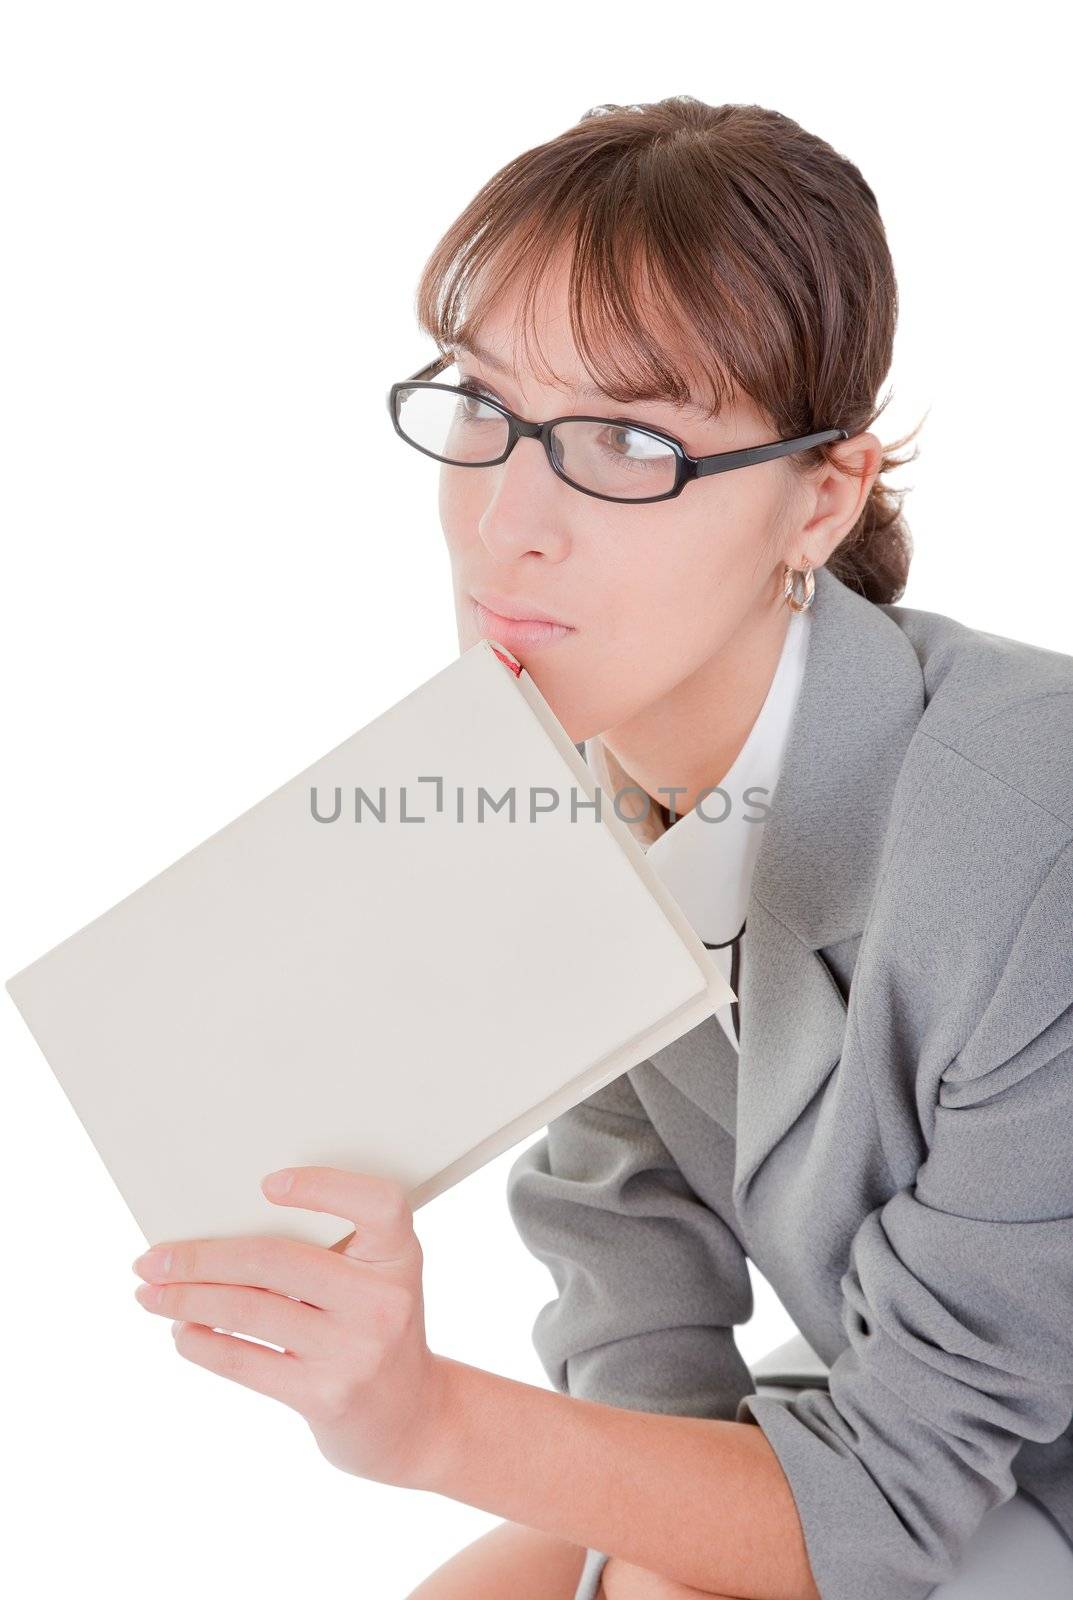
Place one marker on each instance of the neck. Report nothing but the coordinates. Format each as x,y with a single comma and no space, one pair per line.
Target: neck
688,740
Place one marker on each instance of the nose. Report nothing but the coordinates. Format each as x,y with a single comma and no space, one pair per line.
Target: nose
527,508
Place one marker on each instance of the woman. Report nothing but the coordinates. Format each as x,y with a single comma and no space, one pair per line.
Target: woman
736,267
883,1120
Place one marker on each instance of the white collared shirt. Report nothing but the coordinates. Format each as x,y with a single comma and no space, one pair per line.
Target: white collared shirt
706,857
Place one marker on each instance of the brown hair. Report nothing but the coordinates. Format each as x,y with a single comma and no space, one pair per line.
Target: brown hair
762,249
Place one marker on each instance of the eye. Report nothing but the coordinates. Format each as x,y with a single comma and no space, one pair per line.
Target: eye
479,388
630,450
621,439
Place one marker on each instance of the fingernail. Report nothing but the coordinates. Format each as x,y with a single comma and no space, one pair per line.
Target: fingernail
278,1182
154,1261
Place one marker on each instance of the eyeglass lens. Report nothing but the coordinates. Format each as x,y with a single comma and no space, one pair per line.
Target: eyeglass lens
607,457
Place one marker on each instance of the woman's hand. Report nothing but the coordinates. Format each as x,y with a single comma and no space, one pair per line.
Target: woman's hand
350,1319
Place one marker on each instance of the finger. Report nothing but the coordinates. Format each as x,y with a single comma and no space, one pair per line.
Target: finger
379,1208
269,1372
257,1312
286,1266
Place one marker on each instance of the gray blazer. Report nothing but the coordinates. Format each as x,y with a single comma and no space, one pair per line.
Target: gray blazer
893,1147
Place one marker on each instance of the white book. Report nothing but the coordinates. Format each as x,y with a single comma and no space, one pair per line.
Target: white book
402,997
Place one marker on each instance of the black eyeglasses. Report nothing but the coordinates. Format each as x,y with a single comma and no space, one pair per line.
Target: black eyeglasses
610,458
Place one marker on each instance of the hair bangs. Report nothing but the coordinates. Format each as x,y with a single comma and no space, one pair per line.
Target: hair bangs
626,316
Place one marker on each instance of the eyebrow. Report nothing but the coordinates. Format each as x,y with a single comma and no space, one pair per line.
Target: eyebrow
586,392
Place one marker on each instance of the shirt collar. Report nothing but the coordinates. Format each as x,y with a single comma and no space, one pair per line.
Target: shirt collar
706,858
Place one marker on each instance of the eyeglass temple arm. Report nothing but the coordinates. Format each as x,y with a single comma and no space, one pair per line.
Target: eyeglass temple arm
765,452
437,364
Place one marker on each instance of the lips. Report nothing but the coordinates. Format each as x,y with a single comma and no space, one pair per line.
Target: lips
518,632
517,610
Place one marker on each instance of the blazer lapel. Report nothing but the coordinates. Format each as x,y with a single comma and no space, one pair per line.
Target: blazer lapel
793,1026
861,698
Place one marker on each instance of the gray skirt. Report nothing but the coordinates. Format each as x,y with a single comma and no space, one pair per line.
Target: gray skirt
1017,1550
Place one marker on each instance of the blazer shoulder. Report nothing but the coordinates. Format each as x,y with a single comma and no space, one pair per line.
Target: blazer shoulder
1003,705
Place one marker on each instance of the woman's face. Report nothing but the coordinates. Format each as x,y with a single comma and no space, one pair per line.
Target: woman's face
651,593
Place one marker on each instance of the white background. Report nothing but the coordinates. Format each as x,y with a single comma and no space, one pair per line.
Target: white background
219,561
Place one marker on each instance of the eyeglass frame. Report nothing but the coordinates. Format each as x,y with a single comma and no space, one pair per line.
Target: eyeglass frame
688,468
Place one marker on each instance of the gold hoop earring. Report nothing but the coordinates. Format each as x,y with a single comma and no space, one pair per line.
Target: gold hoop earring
788,587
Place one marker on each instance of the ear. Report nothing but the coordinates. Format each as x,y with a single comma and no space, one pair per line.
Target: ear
833,499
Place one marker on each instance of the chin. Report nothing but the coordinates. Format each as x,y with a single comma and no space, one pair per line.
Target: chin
582,717
576,718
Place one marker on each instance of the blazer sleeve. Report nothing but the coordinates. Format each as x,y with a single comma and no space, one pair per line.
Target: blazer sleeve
957,1302
651,1281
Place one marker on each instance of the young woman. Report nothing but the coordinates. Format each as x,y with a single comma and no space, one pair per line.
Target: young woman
659,488
892,1145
